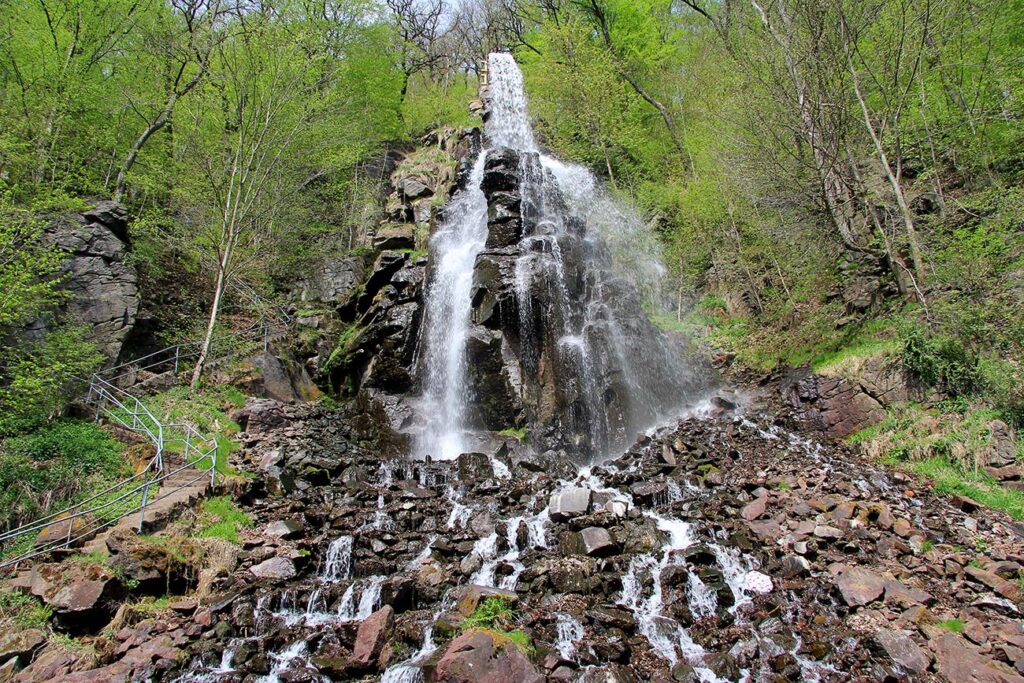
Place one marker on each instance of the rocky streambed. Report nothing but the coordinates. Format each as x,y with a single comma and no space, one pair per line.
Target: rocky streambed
724,546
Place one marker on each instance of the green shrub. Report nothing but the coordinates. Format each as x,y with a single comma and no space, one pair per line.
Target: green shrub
940,361
494,611
63,461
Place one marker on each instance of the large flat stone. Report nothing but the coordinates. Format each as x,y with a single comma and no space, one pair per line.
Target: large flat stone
860,586
275,569
598,542
569,503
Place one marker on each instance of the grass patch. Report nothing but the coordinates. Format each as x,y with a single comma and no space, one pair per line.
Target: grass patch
221,518
981,488
497,616
24,610
150,606
514,432
951,625
206,411
60,463
945,447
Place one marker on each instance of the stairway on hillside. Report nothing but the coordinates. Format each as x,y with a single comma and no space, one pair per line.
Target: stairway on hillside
179,490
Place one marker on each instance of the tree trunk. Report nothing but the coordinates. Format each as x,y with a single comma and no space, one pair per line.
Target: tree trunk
897,188
218,295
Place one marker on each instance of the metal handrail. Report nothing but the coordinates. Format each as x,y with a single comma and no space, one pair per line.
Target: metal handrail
196,449
177,353
117,405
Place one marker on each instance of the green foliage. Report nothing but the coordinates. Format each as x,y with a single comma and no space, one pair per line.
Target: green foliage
37,371
951,480
221,518
943,447
25,610
207,411
59,463
429,104
493,611
940,361
951,625
497,616
514,432
343,347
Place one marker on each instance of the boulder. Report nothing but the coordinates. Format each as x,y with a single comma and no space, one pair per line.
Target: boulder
1001,450
274,569
597,542
860,586
957,660
270,376
20,643
411,188
479,655
754,509
260,415
401,236
284,528
569,503
371,637
474,467
903,651
335,282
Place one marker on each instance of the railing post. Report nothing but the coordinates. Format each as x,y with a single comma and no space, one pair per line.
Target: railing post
266,337
177,358
213,466
160,446
142,510
71,526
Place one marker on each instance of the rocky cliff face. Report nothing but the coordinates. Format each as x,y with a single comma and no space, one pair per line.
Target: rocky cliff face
103,289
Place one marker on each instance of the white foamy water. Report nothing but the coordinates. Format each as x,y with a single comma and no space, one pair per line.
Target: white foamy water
570,631
338,563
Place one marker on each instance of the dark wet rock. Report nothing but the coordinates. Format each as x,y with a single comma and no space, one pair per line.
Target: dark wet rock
597,542
474,466
479,655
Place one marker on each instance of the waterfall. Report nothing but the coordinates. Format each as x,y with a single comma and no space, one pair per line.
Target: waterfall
577,352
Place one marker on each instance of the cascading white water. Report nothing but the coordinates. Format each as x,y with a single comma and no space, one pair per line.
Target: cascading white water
585,262
454,248
338,563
